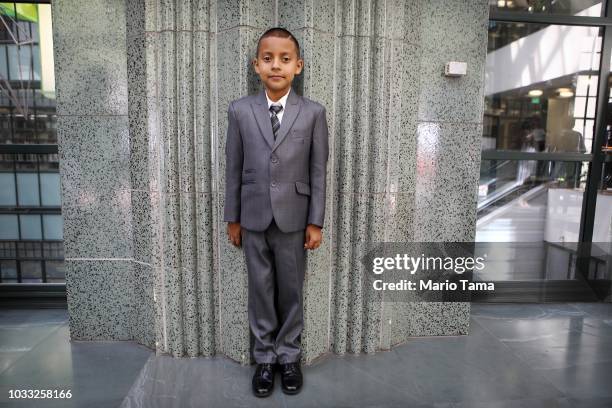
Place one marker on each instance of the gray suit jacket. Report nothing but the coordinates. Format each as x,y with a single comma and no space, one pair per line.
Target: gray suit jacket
285,179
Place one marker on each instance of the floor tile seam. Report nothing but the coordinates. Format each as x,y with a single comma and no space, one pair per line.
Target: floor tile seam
522,361
53,332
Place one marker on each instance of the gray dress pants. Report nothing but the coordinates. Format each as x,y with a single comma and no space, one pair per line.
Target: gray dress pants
276,262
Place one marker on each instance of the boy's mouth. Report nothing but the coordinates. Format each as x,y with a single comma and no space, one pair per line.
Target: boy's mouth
275,77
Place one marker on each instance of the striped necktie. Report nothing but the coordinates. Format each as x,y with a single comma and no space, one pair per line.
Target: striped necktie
275,122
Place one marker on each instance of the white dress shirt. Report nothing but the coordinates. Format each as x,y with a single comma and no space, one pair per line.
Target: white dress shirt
282,102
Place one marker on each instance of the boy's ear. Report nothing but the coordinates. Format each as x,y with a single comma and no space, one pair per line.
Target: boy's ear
255,65
300,64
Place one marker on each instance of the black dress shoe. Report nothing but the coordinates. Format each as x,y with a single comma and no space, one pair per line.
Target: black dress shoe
291,378
263,380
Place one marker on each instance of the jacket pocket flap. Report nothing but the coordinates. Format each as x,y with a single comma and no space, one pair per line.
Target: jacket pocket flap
302,188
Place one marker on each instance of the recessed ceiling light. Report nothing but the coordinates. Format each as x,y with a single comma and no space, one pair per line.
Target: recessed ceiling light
535,92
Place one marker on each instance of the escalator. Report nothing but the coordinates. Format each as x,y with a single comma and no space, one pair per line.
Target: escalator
512,216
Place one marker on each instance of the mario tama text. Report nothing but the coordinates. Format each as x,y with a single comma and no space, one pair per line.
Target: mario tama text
411,264
429,285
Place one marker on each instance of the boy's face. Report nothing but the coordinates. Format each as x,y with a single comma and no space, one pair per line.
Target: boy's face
277,63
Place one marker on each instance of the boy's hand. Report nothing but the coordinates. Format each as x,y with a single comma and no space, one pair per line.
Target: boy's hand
313,237
233,232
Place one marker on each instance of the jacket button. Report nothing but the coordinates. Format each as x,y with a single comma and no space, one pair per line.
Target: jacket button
274,159
273,184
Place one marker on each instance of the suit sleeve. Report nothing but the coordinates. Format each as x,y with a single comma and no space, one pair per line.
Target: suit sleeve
233,168
319,153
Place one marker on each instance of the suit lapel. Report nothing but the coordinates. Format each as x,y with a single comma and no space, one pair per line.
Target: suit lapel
262,117
292,109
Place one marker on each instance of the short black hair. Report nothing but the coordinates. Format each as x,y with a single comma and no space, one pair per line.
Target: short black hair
279,32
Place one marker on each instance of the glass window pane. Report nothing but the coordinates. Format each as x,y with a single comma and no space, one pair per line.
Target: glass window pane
31,271
29,249
7,189
20,62
24,121
50,189
27,189
8,249
55,271
539,96
30,226
590,8
36,59
534,208
23,29
3,63
602,225
53,226
530,201
8,269
5,127
9,228
53,249
35,33
49,162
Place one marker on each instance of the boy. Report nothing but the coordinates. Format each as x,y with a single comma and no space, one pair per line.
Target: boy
276,157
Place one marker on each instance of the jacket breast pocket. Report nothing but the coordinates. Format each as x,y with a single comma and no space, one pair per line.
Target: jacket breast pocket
300,134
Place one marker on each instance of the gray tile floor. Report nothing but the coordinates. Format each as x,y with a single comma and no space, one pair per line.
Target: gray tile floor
516,355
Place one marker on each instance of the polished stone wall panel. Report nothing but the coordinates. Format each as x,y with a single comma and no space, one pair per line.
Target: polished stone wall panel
143,309
94,155
100,299
442,164
89,56
453,31
142,225
317,14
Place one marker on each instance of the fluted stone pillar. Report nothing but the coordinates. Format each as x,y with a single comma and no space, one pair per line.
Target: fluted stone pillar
404,163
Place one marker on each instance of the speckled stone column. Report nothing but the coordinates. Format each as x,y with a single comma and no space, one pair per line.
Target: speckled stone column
403,166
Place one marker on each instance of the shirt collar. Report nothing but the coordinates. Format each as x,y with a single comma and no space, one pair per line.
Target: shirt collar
282,101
